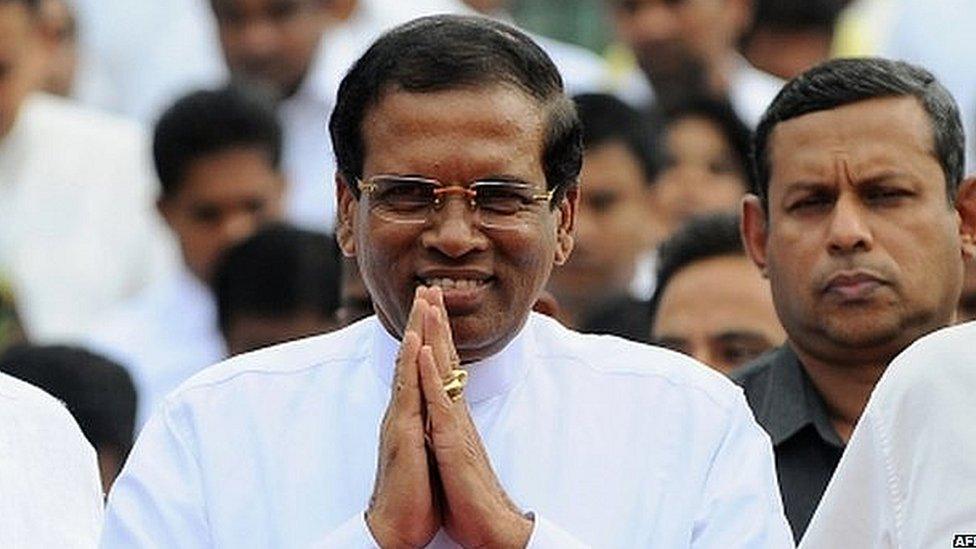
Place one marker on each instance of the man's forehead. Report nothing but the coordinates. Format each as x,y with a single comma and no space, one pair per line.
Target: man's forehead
891,129
406,111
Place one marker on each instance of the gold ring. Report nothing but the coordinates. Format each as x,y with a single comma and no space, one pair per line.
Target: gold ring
454,384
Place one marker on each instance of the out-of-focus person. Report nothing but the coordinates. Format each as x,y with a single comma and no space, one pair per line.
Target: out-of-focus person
906,477
615,221
711,302
136,58
861,223
51,495
218,157
938,35
297,49
582,70
278,285
61,30
98,392
448,416
77,228
687,48
787,37
704,166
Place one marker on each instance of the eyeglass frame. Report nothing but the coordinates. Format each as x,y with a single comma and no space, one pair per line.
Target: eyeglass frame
367,186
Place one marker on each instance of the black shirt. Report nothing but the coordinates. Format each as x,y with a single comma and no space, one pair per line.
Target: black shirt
806,445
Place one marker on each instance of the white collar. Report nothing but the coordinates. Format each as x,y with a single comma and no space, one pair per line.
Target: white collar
487,378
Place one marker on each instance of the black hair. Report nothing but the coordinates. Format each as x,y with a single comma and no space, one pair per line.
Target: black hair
722,114
844,81
211,121
445,52
607,119
701,237
97,391
276,272
797,15
32,5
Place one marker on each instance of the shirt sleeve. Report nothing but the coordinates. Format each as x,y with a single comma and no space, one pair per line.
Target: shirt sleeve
546,535
741,504
354,534
856,510
158,500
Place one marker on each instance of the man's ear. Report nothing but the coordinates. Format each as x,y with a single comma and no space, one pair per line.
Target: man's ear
345,234
566,224
966,209
754,231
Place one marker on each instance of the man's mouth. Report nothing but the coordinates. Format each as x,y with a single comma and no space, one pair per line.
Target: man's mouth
852,286
448,284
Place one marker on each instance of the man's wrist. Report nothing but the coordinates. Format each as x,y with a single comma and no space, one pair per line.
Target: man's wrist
516,531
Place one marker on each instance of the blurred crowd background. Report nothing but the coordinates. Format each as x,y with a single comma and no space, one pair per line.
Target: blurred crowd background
166,176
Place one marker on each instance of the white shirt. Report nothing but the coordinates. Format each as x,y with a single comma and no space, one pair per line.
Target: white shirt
137,58
908,476
610,443
50,495
913,25
750,90
162,337
78,229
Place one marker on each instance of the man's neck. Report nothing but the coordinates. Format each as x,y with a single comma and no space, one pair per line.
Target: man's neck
844,387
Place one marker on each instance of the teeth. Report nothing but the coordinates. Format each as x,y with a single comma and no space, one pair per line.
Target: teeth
454,283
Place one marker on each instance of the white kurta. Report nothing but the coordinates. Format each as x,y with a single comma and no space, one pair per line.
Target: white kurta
162,337
78,229
907,479
610,443
50,494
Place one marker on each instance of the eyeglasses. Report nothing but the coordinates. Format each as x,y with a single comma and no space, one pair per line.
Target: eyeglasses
410,199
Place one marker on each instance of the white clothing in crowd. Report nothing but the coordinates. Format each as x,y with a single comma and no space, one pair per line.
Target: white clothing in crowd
907,478
78,227
137,58
750,90
50,494
938,35
162,337
609,443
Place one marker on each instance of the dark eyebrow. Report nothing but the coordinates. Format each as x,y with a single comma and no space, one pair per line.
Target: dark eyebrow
883,177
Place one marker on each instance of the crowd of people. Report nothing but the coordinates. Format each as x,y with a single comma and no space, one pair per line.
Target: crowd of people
702,298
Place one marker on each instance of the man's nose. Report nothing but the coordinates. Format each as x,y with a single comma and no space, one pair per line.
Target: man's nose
258,37
849,230
453,229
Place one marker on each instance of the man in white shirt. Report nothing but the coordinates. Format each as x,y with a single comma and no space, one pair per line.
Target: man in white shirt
687,49
546,445
50,495
906,478
217,154
77,228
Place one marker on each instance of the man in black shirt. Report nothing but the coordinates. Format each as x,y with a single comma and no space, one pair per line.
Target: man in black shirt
861,220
